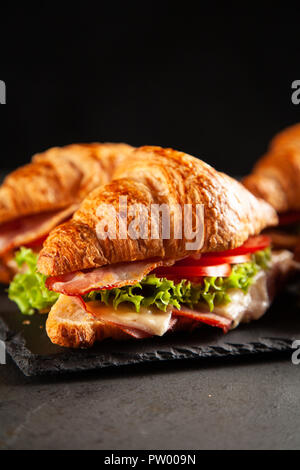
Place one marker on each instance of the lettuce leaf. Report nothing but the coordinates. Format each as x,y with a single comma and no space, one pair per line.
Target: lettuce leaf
161,292
28,289
29,292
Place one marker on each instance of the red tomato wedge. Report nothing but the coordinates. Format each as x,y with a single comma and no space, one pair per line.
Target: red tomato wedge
289,218
212,259
188,271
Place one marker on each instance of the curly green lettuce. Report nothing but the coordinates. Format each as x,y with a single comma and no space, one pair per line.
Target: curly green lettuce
161,292
30,293
28,288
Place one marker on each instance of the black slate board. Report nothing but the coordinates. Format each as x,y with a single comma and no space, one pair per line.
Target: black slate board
32,351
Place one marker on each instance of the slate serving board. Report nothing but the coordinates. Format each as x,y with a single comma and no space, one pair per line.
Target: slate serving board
34,354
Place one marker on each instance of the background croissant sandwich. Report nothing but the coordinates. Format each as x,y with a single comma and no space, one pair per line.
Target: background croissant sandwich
139,287
276,179
38,196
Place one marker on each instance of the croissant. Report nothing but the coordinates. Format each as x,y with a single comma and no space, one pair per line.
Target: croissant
156,176
276,176
38,196
59,177
137,273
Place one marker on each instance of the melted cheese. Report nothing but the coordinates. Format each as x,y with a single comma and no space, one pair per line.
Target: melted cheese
252,305
249,306
151,320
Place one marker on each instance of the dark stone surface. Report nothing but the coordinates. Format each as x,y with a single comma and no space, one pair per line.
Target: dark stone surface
233,402
34,354
242,403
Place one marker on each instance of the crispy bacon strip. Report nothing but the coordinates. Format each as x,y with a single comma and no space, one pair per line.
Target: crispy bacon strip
134,332
203,317
107,277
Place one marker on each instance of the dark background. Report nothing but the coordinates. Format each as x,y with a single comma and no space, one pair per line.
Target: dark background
214,81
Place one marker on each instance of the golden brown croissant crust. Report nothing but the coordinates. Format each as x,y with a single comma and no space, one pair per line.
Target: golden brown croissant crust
59,177
156,175
276,176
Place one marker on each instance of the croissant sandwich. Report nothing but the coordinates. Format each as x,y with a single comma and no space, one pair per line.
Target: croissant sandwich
114,272
276,179
38,196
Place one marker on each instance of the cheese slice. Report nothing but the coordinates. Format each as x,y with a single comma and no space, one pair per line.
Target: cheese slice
151,320
249,306
252,305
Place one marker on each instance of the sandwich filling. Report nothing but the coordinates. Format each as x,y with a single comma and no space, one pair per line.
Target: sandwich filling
150,298
287,234
29,231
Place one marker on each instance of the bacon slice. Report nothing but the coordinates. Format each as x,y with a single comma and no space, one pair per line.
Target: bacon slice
5,273
134,332
27,229
107,277
203,317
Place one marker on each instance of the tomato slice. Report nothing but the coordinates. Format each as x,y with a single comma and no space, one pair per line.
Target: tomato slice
242,254
188,271
289,218
212,259
253,244
214,264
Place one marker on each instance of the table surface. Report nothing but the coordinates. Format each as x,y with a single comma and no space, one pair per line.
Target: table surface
250,403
